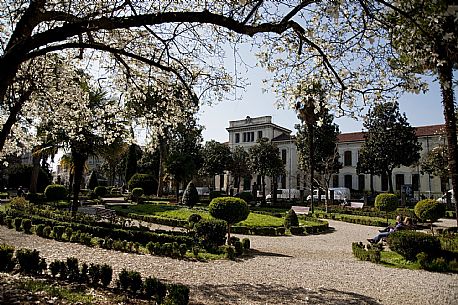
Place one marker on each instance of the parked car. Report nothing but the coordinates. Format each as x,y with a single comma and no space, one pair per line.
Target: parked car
284,194
443,199
340,194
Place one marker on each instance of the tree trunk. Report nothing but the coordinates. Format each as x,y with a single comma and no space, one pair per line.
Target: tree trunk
78,160
160,182
311,163
390,180
35,170
446,82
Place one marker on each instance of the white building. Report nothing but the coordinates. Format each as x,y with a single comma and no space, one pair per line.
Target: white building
246,132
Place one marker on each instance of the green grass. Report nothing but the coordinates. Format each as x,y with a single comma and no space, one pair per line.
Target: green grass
4,207
260,220
73,296
392,259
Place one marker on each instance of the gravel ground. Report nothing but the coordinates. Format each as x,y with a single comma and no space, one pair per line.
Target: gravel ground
314,269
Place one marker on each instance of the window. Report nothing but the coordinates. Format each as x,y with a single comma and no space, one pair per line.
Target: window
246,183
361,182
384,182
335,181
415,182
237,138
347,158
259,134
252,136
248,136
399,181
244,137
348,181
283,156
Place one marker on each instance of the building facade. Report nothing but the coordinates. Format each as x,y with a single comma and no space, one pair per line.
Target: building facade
246,132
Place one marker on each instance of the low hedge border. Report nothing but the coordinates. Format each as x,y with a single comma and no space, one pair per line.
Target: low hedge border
367,253
362,220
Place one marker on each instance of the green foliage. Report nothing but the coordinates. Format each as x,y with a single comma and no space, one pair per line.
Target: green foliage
29,261
58,231
217,158
72,269
100,191
93,181
55,192
19,175
54,267
246,244
240,167
137,193
130,281
229,209
178,294
194,218
229,251
291,219
47,231
17,223
211,233
410,243
247,196
144,181
39,229
153,287
94,274
190,195
367,253
429,210
6,258
386,202
26,225
133,155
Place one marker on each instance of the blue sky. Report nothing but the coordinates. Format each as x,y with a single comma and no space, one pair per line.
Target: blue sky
421,110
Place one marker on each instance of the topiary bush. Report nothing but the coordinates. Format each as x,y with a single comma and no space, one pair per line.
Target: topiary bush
26,225
55,192
190,195
429,210
93,181
178,294
291,219
39,229
6,258
155,288
106,275
100,191
29,261
229,209
386,202
73,271
211,233
193,219
17,223
137,193
246,244
94,274
144,181
410,243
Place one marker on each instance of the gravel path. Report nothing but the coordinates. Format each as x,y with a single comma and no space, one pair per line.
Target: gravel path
314,269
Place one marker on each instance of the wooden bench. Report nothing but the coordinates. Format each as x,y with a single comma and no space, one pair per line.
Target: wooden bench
357,205
300,210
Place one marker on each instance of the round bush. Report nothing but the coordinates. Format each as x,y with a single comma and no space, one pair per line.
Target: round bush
55,192
194,218
26,225
229,209
100,191
211,233
291,219
144,181
429,210
386,202
410,243
137,193
190,195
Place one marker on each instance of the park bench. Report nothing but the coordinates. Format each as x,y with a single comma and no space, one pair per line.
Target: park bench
300,210
357,205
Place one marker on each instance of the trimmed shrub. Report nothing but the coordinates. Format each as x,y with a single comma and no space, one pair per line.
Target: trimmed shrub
39,229
429,210
246,244
54,267
73,269
229,251
386,202
123,280
372,253
137,193
6,258
155,288
100,191
55,192
229,209
94,274
190,195
17,223
238,247
136,283
29,261
84,274
47,231
211,233
296,230
68,233
291,219
193,219
178,294
93,181
106,275
144,181
247,196
183,249
26,225
410,243
58,231
9,222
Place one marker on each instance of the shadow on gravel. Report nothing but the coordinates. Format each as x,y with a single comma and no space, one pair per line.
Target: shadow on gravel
254,253
267,294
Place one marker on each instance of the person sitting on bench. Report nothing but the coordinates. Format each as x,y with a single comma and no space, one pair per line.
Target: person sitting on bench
399,226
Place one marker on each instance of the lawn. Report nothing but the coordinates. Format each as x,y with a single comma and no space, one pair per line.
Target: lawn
392,259
183,213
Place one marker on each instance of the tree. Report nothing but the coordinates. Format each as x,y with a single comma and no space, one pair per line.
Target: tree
184,158
113,155
435,162
389,142
425,37
216,158
93,182
133,154
325,157
265,161
229,209
239,167
429,210
190,195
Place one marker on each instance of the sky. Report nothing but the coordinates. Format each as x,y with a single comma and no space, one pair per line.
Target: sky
421,110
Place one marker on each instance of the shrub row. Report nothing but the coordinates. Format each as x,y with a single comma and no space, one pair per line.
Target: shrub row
168,249
171,222
29,262
367,253
354,219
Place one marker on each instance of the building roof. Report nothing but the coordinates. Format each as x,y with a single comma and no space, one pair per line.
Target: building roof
283,137
421,131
